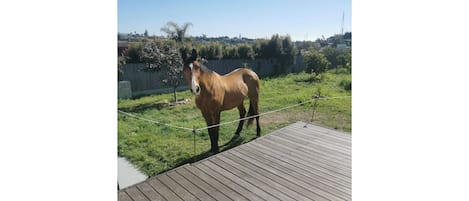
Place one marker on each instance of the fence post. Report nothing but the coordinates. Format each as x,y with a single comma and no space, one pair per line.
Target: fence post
315,104
195,156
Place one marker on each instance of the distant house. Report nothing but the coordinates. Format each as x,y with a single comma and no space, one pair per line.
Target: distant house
341,46
122,36
348,35
122,46
348,38
340,41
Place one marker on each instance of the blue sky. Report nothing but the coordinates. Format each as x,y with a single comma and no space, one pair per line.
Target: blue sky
301,19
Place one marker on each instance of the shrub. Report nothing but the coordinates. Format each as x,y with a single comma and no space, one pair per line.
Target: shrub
346,84
337,57
315,62
133,54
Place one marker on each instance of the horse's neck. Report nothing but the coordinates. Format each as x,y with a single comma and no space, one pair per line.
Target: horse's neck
210,80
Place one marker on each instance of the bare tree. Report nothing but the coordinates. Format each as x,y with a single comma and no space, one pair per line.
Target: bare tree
176,32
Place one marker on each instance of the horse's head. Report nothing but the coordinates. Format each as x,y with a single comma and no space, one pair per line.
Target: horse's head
192,71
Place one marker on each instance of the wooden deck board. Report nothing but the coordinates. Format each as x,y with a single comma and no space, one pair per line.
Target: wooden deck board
275,173
308,155
135,194
327,133
306,176
302,149
176,188
217,195
268,192
306,152
314,191
197,192
240,180
278,190
216,184
272,174
123,196
162,189
285,161
300,138
302,159
242,190
320,137
149,192
299,162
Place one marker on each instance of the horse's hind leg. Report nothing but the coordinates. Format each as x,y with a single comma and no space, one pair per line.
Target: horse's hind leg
256,112
253,94
258,127
242,114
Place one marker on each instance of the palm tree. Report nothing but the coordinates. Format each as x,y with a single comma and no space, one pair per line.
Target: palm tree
175,31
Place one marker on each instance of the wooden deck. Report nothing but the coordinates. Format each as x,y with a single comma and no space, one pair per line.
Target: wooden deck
293,163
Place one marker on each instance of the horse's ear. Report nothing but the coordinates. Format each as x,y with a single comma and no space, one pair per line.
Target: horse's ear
194,54
183,54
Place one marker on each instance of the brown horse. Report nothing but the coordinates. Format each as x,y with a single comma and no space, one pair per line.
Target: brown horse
215,93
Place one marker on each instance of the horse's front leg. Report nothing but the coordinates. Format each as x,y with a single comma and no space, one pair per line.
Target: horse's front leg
213,132
213,119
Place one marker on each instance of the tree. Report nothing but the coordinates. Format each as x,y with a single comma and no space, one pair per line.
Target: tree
176,32
274,47
348,62
309,45
259,48
230,52
282,49
321,42
213,50
133,53
344,59
245,51
120,63
337,56
315,62
287,54
165,59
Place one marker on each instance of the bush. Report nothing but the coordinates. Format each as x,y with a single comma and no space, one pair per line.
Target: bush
315,62
343,70
346,84
337,57
133,54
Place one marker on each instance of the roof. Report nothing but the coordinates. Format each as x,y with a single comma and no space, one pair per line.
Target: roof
122,44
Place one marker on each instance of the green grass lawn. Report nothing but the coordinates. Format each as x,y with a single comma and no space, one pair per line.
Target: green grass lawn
155,149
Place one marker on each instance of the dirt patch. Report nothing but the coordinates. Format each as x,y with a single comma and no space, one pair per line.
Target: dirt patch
180,102
290,116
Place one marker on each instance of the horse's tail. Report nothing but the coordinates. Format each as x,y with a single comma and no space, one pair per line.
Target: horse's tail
252,81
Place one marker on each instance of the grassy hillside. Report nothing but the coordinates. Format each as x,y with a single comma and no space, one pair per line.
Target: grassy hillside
155,149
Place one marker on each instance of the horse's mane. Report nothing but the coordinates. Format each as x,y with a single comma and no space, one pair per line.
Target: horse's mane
204,68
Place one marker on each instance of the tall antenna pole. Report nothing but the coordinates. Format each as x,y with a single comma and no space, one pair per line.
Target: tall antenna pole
342,27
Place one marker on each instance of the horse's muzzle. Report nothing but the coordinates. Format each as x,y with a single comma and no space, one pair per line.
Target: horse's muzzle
195,91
